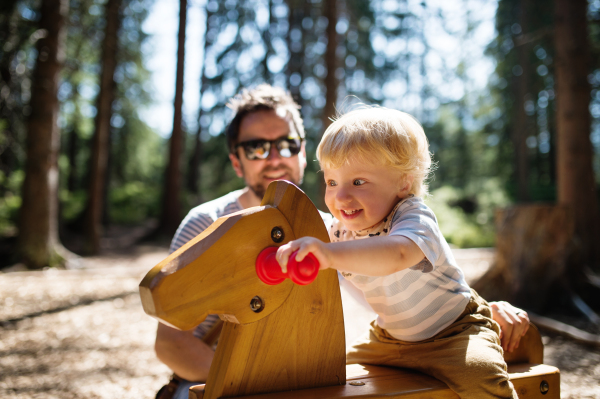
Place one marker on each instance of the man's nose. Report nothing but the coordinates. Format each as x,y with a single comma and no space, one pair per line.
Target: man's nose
274,155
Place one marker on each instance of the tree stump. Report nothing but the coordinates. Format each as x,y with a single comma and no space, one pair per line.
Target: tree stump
533,245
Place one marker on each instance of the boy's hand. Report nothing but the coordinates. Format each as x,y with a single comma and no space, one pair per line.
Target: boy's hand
304,246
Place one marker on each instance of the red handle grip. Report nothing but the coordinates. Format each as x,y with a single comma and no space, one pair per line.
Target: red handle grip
301,273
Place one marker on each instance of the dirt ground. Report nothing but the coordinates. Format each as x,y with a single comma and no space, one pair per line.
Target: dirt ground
83,334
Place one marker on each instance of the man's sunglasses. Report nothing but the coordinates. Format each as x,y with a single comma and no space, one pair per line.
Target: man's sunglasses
260,149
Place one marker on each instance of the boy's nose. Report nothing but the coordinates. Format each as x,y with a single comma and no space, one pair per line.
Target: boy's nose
343,196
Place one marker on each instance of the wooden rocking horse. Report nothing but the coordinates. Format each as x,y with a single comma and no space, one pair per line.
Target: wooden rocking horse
287,340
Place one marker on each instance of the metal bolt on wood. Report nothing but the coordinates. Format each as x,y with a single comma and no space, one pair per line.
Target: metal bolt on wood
257,304
544,387
277,234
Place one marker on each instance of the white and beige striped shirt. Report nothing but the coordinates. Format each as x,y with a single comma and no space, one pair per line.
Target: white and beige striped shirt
416,303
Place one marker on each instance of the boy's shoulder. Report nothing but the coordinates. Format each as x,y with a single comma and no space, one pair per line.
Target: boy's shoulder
411,203
413,207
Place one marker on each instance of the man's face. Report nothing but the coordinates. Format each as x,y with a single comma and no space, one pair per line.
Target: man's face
257,174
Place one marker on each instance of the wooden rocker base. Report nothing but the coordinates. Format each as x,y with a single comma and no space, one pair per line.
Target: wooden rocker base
287,340
366,381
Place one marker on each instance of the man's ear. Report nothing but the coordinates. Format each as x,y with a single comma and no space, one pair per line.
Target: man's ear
302,156
237,165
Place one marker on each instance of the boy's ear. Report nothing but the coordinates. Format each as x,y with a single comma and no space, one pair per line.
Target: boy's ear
406,182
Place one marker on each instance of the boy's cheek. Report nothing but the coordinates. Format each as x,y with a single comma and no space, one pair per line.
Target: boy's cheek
329,203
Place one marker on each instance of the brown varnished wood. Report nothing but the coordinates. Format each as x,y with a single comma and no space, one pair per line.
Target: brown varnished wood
530,350
389,383
296,342
196,392
299,345
527,379
295,348
214,273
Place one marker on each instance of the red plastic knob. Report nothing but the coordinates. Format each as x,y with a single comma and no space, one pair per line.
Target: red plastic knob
301,273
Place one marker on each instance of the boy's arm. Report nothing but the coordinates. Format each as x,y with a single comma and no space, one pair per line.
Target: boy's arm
376,256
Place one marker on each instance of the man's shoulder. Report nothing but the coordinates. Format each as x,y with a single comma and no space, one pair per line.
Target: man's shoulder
217,207
202,216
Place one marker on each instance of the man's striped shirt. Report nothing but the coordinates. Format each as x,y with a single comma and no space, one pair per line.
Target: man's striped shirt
196,221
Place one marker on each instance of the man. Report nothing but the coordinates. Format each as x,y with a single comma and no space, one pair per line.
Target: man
266,143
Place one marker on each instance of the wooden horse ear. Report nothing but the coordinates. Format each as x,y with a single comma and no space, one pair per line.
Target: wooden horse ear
297,208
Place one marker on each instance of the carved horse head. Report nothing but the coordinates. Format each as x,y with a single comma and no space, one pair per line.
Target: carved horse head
294,339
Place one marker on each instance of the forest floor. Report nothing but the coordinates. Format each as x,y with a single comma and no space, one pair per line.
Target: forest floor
83,334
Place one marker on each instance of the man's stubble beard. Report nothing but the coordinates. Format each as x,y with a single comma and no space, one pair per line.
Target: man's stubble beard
258,188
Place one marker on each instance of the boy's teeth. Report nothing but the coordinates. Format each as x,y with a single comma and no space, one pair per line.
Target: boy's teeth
350,212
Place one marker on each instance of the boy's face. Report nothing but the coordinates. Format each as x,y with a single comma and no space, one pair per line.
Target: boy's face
361,194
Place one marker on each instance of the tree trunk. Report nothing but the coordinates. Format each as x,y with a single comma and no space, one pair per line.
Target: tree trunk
331,63
72,150
266,36
194,172
533,244
298,11
100,140
330,81
171,205
575,175
521,127
39,243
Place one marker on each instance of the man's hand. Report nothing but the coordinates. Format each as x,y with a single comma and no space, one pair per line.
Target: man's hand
304,246
514,323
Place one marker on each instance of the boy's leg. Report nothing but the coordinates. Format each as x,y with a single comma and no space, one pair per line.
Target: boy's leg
467,356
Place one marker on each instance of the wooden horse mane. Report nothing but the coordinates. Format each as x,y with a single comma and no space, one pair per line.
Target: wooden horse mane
295,340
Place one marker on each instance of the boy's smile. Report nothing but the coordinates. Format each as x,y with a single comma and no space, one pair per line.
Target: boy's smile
361,194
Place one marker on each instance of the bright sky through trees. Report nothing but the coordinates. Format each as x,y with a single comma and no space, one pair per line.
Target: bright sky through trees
451,44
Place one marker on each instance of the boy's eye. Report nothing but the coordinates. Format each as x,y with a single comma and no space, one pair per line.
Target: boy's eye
331,183
358,182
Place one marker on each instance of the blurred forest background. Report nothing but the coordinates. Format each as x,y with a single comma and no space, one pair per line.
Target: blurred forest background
77,157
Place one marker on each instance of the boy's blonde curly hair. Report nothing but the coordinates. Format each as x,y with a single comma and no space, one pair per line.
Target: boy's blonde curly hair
378,135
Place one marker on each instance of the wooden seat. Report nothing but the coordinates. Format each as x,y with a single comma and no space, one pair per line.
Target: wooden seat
292,344
366,381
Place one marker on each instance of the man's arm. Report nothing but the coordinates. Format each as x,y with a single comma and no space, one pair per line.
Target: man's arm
185,354
514,323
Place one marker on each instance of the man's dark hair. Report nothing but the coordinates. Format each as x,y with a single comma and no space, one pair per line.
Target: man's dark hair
261,98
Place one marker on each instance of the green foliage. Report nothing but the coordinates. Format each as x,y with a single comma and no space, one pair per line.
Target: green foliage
466,216
523,45
10,202
72,204
387,57
134,202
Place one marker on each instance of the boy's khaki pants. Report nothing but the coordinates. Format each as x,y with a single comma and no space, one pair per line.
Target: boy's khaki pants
467,355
